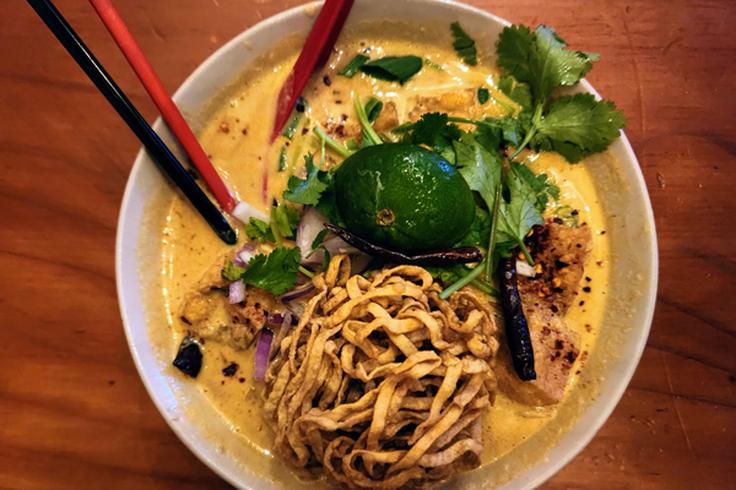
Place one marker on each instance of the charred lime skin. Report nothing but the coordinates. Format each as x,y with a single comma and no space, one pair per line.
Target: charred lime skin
404,197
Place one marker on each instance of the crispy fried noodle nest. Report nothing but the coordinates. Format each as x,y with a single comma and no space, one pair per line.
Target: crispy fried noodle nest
383,383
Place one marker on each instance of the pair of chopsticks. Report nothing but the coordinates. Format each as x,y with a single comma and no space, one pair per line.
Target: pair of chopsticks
153,144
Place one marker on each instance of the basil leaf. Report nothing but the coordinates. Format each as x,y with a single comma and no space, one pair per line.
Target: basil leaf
393,68
353,65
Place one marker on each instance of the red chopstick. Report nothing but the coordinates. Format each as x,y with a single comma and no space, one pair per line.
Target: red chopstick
161,98
315,52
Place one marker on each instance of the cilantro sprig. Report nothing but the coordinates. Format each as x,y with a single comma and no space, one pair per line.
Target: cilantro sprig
464,44
275,272
536,63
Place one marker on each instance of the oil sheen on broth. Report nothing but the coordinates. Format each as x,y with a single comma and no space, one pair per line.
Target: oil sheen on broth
236,138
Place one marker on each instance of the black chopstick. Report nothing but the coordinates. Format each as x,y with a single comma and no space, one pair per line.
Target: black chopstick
155,147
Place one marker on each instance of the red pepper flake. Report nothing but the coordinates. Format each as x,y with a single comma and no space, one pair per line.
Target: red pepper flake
224,127
586,289
245,131
242,380
327,80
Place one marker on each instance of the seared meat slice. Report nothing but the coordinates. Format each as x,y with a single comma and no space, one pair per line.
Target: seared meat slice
388,118
560,253
554,354
459,102
208,314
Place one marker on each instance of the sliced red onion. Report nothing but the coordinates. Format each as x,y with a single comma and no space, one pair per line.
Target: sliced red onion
298,293
263,348
286,324
524,269
284,328
237,292
310,225
296,308
246,253
337,245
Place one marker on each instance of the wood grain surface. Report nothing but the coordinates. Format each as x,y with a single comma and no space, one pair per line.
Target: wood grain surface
73,412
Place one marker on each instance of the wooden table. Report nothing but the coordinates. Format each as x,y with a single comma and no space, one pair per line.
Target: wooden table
73,412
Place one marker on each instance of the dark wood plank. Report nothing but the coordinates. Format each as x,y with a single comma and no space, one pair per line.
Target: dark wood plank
75,414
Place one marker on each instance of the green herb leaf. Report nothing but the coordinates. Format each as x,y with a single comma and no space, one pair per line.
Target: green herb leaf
282,159
433,130
353,65
232,271
319,239
369,136
464,44
543,187
540,59
479,231
518,92
578,125
519,214
373,109
275,272
480,168
305,191
291,124
568,215
284,220
260,231
325,260
393,68
483,95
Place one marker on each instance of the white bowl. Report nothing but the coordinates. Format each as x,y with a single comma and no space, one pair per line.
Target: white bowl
208,435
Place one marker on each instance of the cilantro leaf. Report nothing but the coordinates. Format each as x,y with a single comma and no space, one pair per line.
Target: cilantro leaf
480,168
464,44
284,220
519,214
544,188
260,231
433,130
275,272
477,236
483,95
232,271
353,65
518,92
393,68
577,125
308,190
540,59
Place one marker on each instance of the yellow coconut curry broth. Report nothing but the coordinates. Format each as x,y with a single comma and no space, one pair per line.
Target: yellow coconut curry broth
236,139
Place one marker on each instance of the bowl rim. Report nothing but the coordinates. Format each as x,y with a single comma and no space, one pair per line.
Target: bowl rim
547,469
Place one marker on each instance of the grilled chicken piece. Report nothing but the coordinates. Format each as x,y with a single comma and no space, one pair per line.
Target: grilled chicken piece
388,118
554,354
561,252
208,314
459,102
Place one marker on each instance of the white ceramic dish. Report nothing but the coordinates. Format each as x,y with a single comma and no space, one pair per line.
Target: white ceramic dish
192,418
